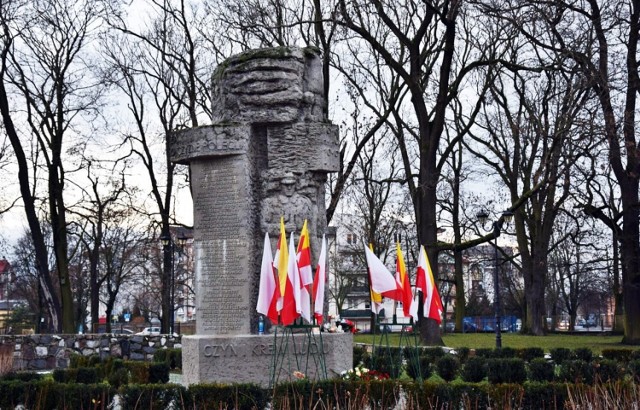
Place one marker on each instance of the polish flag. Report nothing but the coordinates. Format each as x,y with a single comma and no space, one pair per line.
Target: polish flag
268,293
430,296
380,279
303,257
291,299
404,284
319,282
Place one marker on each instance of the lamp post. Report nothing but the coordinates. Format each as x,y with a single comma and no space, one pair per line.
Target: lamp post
496,229
169,292
167,283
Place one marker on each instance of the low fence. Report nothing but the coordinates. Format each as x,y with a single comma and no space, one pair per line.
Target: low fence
48,352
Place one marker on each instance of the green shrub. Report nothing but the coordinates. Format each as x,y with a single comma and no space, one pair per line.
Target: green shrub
607,370
447,395
138,372
474,369
22,376
153,396
447,367
87,375
434,353
634,370
81,396
237,396
560,354
463,354
529,353
635,354
118,377
583,353
304,394
486,352
541,395
158,373
505,352
420,370
620,355
360,355
387,360
576,371
78,360
541,370
65,375
509,370
173,357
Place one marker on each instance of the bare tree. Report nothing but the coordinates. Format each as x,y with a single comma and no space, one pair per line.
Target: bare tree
45,61
163,72
601,38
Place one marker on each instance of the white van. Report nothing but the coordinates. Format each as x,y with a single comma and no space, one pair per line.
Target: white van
153,330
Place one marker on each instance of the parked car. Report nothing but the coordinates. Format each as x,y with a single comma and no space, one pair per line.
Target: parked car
153,330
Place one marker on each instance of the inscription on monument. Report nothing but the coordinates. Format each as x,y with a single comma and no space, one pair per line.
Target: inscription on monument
261,349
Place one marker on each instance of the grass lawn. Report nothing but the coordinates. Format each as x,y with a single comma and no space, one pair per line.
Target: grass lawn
488,340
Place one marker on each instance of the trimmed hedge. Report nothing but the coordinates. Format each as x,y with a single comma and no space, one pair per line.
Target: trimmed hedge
323,394
509,370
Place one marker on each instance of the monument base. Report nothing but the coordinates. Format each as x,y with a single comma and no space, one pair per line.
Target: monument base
247,358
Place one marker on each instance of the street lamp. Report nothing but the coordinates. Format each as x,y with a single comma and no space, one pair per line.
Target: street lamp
168,292
496,229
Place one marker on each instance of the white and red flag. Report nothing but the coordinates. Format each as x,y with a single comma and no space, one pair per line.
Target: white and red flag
319,282
403,282
268,292
426,283
380,279
291,300
303,257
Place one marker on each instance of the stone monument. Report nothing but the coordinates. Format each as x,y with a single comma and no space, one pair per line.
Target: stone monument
266,155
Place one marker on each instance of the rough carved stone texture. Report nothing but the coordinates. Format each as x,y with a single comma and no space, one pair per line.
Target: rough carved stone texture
265,156
269,85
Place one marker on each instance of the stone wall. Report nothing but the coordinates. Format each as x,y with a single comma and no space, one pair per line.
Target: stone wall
47,352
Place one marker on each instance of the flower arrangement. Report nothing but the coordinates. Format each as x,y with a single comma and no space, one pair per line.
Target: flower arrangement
362,373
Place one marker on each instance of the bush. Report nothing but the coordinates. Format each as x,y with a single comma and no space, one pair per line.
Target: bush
576,371
540,370
87,375
153,396
447,367
583,353
540,395
387,360
22,376
607,370
510,370
50,395
485,352
560,354
434,353
138,372
118,378
620,355
505,352
360,355
65,375
635,354
158,373
634,370
424,363
463,354
237,396
474,369
529,353
173,357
